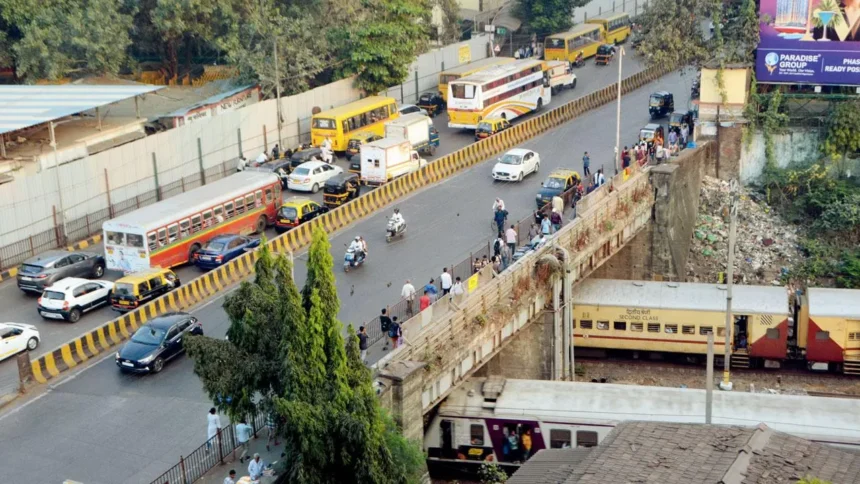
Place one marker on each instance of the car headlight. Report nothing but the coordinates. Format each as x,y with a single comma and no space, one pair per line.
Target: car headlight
147,359
117,355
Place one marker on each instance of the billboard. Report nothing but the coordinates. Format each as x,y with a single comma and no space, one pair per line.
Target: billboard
809,42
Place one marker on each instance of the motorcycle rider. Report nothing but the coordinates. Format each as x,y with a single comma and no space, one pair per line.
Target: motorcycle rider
398,220
357,248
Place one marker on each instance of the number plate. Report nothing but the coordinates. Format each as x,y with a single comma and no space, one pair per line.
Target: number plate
205,257
23,278
124,303
284,221
51,315
125,363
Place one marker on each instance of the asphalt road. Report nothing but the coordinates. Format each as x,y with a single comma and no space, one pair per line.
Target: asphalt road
100,426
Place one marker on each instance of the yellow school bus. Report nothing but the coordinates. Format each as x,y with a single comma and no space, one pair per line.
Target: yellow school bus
616,26
566,45
368,114
467,70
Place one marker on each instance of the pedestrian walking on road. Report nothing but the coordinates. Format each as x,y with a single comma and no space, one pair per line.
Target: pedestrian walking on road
546,226
272,427
213,425
394,333
445,280
243,436
558,204
255,468
362,343
424,301
457,289
511,239
384,324
599,179
586,164
231,477
500,216
431,291
408,293
555,219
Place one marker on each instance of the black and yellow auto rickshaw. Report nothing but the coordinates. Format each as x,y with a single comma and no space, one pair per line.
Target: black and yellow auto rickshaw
651,132
340,189
605,54
680,121
660,104
431,102
357,140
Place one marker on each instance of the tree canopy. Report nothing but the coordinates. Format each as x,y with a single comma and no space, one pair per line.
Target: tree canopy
286,354
545,17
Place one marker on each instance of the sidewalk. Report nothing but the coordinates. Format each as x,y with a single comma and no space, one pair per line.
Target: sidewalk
258,445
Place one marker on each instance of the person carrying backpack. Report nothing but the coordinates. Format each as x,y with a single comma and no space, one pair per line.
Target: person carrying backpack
394,333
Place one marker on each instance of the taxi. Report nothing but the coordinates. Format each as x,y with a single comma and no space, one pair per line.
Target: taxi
490,126
558,182
356,140
296,211
137,289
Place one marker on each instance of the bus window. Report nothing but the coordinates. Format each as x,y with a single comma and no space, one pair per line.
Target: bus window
392,109
259,196
172,233
249,201
228,209
151,240
207,218
162,237
196,223
269,195
115,238
219,214
324,123
184,228
277,191
240,205
463,91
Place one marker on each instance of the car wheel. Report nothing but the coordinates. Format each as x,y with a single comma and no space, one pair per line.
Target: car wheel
315,188
573,86
157,365
537,167
520,178
98,271
75,315
539,105
192,251
32,344
260,226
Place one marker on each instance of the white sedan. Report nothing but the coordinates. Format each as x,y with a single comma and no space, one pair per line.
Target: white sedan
516,164
15,338
311,175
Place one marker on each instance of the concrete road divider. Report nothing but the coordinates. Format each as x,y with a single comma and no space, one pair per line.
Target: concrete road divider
108,336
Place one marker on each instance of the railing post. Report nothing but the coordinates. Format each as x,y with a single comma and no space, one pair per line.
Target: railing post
182,469
220,443
265,140
200,161
416,86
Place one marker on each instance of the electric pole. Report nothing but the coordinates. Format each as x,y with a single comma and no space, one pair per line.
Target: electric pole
618,113
726,384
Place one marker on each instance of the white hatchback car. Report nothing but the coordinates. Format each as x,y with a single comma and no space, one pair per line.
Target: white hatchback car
311,175
69,298
15,338
516,164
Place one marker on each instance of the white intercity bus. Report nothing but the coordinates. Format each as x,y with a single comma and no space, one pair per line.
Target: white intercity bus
505,91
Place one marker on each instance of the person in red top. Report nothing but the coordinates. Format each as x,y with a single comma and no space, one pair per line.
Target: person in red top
424,301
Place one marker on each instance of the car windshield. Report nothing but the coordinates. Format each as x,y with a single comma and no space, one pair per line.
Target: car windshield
676,118
55,295
30,269
215,246
510,159
288,212
147,335
301,171
485,127
656,100
646,134
124,289
554,183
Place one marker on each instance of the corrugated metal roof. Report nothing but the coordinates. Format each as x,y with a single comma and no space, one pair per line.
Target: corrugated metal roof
209,100
681,295
549,466
843,303
25,106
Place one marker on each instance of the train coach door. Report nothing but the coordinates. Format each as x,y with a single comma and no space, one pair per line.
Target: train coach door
447,427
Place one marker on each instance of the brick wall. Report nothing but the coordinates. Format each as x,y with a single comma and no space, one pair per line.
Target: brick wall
528,356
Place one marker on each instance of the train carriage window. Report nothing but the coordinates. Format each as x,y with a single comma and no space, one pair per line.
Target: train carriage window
162,237
721,332
620,326
706,330
653,327
772,333
228,210
151,240
586,438
559,439
196,223
172,233
585,324
476,434
637,327
671,328
688,329
822,335
604,325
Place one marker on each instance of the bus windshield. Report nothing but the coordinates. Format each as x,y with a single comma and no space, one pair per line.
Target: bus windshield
324,123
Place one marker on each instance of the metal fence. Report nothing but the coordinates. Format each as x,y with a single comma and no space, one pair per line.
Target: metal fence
213,452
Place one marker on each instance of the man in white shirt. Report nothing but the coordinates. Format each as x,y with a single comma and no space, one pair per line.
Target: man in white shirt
511,238
262,158
457,289
255,468
231,477
243,162
445,280
498,205
243,435
408,293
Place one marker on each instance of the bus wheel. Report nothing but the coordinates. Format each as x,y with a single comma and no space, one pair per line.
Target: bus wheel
192,251
260,226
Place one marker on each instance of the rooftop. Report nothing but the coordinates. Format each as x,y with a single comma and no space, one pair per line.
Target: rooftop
671,453
834,302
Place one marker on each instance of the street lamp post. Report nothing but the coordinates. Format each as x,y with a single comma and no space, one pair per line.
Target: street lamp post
59,187
618,113
726,384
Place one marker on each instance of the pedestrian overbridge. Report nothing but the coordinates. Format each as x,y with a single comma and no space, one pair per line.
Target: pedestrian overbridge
453,338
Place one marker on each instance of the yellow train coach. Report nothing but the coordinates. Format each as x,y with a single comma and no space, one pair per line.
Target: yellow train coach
669,317
829,329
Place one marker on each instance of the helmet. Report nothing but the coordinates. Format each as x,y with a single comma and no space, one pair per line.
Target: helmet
396,210
357,238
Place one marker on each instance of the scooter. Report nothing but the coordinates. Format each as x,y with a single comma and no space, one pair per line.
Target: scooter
350,261
327,155
579,61
392,230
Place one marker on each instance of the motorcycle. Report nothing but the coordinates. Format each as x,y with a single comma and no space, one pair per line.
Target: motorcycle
579,61
393,231
351,261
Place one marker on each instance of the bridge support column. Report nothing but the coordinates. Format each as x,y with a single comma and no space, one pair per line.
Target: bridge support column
405,379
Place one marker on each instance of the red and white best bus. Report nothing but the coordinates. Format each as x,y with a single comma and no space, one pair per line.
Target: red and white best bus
169,232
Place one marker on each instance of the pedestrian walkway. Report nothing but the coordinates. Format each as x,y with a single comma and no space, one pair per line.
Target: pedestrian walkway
257,445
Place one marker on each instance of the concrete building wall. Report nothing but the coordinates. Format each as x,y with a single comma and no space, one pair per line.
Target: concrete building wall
795,146
529,355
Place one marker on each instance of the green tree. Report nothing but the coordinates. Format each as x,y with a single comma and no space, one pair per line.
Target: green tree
671,34
450,31
545,17
843,137
381,46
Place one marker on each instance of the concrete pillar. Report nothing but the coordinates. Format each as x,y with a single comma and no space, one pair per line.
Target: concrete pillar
406,382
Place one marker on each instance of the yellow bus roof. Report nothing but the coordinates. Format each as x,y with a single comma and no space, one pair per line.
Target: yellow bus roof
495,72
609,17
577,30
360,106
471,67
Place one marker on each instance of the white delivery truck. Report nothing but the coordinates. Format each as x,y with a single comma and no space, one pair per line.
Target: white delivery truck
386,159
560,76
418,129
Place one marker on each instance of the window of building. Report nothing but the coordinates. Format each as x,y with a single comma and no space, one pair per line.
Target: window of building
686,329
653,327
559,439
671,328
585,324
476,434
586,438
604,325
772,333
706,330
637,327
619,326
